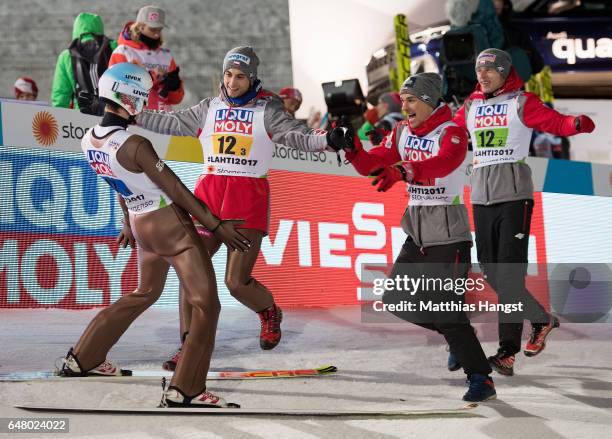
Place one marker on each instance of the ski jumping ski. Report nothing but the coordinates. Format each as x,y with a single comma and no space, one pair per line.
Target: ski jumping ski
212,375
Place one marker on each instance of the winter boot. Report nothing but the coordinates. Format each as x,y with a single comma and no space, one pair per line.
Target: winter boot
270,334
481,388
539,332
502,362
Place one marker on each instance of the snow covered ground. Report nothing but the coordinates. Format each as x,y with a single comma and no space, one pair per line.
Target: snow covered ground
566,392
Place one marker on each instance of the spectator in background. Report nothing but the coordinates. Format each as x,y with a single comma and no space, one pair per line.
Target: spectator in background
26,89
87,57
463,13
292,99
388,114
140,43
515,37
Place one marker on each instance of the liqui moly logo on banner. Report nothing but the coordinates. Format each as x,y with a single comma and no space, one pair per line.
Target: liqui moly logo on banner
229,120
491,116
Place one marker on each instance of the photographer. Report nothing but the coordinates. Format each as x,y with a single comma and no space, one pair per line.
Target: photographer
426,152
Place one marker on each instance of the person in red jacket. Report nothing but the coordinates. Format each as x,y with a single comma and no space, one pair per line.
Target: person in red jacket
500,118
426,152
140,43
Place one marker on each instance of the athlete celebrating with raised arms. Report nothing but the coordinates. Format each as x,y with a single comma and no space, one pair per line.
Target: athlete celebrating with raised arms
237,131
500,118
156,207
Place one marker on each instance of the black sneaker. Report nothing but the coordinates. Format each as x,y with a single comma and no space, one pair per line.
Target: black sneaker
481,388
502,362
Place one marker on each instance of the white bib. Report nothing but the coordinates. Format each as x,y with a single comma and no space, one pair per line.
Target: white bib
437,191
497,132
235,142
141,195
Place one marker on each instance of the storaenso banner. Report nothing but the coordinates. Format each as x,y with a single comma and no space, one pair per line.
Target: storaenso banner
319,162
427,293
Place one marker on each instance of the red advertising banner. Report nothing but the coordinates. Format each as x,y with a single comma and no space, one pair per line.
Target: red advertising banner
324,228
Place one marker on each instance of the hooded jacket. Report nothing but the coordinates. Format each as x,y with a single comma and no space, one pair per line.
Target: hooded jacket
503,182
64,83
157,60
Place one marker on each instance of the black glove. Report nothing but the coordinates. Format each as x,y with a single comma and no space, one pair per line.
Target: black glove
89,103
341,137
170,83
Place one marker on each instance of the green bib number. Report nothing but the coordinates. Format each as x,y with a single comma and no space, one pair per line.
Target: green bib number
492,138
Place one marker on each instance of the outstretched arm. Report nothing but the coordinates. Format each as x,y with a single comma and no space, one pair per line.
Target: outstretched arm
185,122
384,154
286,130
536,115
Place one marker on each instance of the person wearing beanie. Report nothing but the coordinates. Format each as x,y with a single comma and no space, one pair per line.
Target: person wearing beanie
140,42
292,99
388,113
238,131
25,89
426,152
500,118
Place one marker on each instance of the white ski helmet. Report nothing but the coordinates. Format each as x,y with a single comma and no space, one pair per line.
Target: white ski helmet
126,85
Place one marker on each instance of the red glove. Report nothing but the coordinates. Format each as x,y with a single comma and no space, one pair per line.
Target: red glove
390,175
584,124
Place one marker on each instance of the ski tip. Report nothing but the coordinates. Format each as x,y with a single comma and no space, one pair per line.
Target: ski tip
326,369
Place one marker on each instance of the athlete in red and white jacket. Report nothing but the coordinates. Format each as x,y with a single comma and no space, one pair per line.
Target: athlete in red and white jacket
500,118
426,151
428,158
